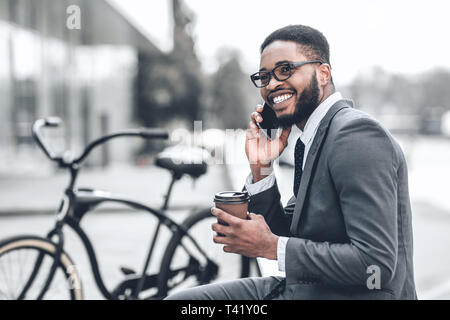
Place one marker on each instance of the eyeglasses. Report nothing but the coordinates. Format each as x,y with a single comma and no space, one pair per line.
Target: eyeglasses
281,72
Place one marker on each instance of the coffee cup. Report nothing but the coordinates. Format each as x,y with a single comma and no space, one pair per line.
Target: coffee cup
232,202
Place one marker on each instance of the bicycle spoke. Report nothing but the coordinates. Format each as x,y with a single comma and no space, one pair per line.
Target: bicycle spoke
4,292
22,265
8,280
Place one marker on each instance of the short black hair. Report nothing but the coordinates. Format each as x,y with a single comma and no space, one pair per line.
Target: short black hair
313,43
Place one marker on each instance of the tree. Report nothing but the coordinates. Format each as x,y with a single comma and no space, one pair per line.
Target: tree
169,86
230,89
185,60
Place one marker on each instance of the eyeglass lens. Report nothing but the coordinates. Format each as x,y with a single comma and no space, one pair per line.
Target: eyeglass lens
281,72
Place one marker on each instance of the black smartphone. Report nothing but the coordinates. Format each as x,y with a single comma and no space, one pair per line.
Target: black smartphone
269,123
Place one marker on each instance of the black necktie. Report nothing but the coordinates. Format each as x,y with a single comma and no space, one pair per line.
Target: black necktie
298,155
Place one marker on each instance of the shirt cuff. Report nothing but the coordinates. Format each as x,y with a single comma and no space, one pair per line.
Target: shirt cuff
281,253
260,186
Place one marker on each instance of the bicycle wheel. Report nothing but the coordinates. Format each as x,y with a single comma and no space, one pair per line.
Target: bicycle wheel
183,266
19,258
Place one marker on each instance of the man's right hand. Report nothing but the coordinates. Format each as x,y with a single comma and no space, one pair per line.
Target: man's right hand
260,150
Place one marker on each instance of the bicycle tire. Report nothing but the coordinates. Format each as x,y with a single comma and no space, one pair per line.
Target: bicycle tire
164,288
18,247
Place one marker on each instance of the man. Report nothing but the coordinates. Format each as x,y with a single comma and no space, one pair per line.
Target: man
346,233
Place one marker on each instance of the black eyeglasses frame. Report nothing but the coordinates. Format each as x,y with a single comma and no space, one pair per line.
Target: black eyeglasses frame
291,65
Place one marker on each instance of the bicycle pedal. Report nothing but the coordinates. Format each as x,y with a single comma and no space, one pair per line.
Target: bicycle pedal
126,271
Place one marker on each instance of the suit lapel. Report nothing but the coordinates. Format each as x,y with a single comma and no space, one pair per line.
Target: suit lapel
311,159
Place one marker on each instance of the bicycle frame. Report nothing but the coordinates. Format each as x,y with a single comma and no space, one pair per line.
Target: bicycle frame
77,202
80,202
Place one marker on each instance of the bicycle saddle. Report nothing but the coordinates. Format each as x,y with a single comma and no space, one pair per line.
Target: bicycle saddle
184,160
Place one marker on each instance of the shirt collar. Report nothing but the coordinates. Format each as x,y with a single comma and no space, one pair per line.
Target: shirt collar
316,117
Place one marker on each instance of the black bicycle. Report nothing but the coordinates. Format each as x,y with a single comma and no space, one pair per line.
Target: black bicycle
33,267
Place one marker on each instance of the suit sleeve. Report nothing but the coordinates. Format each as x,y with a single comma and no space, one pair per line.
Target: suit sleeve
362,164
268,204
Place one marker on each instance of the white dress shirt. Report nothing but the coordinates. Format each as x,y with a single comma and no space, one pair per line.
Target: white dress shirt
307,137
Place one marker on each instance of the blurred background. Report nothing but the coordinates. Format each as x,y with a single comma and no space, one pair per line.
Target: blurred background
117,64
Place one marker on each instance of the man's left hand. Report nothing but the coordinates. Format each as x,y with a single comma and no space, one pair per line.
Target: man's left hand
251,237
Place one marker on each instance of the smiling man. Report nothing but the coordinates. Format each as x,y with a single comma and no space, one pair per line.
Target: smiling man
346,232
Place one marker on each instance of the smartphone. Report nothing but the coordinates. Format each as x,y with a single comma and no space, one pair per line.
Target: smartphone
269,123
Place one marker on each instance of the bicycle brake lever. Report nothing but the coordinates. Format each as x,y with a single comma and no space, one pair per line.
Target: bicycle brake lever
127,271
52,121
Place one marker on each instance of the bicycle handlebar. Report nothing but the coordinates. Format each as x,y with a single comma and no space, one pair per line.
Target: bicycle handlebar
147,133
54,122
51,122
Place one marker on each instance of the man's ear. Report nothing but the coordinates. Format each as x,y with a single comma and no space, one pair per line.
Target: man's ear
324,74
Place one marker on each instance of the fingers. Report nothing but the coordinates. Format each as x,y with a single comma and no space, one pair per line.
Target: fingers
253,216
222,230
222,240
252,131
224,234
225,217
256,115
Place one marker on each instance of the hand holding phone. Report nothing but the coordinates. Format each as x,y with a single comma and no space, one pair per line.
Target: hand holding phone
269,123
261,151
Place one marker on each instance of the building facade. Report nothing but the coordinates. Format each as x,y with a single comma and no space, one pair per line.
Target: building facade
73,59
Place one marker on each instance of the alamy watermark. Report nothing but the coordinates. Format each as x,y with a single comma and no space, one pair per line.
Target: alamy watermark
374,280
228,148
73,279
73,21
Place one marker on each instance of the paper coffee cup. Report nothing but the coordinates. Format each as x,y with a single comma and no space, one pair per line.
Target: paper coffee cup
232,202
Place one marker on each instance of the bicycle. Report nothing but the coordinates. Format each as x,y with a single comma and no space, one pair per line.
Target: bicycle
26,260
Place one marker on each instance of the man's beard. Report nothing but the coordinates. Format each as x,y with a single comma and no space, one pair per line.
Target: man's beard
308,102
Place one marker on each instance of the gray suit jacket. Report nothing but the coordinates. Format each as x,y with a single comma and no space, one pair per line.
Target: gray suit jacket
351,215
